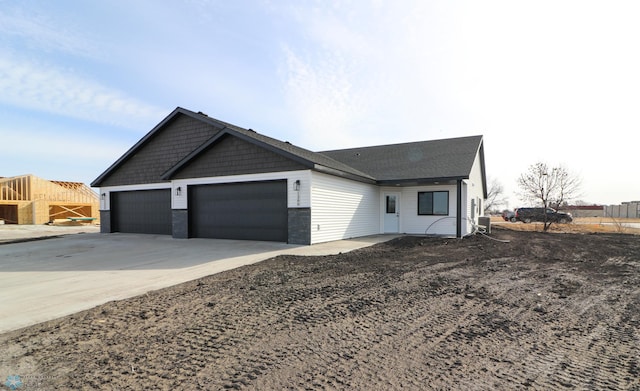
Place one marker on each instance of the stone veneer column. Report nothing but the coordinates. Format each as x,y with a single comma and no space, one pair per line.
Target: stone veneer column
180,223
105,221
299,226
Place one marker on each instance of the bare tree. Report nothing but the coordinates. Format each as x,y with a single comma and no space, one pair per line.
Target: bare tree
495,195
549,186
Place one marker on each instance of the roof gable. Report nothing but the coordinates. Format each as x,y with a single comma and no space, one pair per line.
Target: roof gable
160,149
309,159
231,155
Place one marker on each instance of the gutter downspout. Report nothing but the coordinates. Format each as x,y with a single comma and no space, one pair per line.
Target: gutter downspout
459,209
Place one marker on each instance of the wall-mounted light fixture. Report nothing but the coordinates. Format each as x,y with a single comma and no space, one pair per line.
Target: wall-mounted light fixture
178,191
103,196
296,185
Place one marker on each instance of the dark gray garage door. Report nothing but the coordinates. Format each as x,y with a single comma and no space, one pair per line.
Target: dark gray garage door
248,211
144,212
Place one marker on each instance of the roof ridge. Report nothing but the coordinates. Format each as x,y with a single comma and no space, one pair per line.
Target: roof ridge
404,143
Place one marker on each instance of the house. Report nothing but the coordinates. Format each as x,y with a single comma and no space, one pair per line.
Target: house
28,199
193,176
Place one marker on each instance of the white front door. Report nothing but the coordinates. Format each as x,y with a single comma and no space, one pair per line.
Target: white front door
391,212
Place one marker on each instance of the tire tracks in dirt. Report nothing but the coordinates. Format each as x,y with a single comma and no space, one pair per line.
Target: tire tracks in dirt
415,313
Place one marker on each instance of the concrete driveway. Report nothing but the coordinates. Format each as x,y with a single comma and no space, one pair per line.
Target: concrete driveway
46,279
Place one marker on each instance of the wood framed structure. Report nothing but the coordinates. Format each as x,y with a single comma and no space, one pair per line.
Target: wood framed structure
28,199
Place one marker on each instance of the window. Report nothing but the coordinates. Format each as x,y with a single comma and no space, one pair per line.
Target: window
433,203
391,204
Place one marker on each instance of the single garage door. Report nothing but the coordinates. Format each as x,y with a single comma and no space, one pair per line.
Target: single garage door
143,211
246,211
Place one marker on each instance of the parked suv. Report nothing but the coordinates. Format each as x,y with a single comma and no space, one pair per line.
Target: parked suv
527,215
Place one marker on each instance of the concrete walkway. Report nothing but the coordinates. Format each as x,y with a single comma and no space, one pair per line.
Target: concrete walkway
45,279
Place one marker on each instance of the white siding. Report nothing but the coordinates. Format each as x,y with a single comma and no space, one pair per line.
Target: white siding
412,223
475,191
105,203
466,210
475,182
341,208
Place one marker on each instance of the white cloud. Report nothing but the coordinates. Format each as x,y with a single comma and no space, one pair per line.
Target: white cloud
36,30
336,80
50,150
36,79
43,87
56,145
370,73
542,81
322,98
350,72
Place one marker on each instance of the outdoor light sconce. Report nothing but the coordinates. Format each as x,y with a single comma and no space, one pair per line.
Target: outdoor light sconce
296,185
102,196
178,191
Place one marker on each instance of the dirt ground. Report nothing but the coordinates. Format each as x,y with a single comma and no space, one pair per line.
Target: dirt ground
579,225
543,311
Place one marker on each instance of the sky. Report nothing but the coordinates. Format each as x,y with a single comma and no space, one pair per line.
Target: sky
545,81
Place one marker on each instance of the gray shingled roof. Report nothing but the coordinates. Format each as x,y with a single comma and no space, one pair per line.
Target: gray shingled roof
313,159
426,160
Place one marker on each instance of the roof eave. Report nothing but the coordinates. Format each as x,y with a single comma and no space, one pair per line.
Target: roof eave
483,169
421,181
343,174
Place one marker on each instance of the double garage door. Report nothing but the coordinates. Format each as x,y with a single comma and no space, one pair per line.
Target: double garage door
248,210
